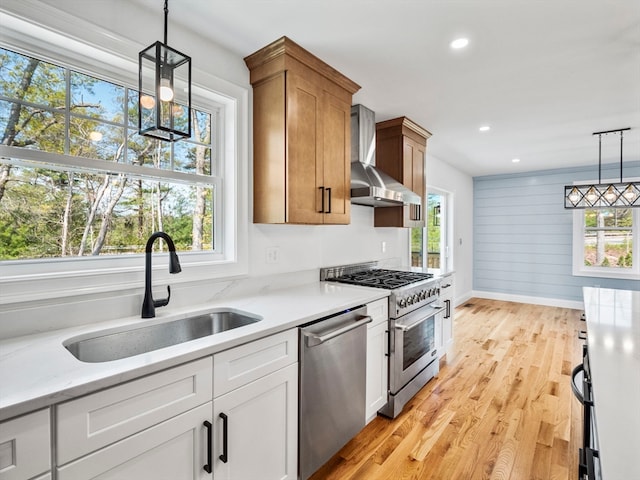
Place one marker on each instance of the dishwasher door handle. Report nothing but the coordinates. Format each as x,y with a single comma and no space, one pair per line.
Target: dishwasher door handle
313,339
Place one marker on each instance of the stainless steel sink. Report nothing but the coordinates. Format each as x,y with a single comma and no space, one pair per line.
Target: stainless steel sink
114,345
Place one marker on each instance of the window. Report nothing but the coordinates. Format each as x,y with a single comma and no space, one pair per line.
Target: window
62,206
429,247
82,158
605,242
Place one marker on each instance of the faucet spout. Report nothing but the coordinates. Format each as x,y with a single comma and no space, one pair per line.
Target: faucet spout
149,304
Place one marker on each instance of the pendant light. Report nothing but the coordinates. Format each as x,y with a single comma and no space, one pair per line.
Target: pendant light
164,86
603,195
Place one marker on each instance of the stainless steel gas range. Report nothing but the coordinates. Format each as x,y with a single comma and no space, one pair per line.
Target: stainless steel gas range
413,314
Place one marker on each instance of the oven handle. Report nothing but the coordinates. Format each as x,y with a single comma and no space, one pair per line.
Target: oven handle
436,311
314,339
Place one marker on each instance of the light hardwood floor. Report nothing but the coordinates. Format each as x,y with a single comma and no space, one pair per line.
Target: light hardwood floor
501,407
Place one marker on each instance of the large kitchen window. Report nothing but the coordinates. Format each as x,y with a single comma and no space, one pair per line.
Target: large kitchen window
81,191
108,188
605,242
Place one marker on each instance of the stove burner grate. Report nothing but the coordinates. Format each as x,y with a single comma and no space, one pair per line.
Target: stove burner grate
380,278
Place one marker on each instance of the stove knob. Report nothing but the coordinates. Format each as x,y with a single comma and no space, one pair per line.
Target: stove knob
402,303
416,298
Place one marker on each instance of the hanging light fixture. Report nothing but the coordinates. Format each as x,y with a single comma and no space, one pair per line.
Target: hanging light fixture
603,195
164,86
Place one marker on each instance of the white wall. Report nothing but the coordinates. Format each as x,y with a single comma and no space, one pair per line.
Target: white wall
443,176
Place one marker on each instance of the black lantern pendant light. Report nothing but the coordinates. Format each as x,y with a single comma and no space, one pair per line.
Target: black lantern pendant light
164,85
603,195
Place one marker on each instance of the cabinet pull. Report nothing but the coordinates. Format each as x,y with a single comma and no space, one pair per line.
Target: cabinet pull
207,467
419,208
225,434
322,196
329,200
388,343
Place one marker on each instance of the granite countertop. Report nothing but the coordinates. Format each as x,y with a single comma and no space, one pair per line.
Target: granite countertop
36,371
613,338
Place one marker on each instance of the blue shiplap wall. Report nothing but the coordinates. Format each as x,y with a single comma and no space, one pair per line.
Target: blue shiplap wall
523,235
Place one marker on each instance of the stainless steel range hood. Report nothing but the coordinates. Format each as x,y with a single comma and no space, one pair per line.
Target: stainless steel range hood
370,186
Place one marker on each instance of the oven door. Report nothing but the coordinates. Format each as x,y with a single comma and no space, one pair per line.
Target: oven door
414,344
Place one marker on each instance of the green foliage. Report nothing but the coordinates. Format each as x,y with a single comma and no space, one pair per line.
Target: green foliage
53,212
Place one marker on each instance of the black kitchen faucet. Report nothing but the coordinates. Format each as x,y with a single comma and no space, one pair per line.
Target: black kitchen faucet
149,304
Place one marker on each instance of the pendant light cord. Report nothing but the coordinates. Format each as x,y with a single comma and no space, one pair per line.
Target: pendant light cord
621,132
166,17
599,157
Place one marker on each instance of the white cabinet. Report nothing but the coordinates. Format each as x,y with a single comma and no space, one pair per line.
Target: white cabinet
377,359
25,446
174,449
255,410
151,428
447,299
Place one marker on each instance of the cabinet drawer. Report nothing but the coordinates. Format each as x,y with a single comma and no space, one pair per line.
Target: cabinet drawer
91,422
378,311
246,363
25,446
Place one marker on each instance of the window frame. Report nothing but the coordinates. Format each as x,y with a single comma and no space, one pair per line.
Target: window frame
39,280
581,270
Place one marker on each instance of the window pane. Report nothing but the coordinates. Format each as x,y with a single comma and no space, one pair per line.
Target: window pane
54,213
417,241
35,127
96,98
192,158
93,139
148,151
433,231
608,238
35,81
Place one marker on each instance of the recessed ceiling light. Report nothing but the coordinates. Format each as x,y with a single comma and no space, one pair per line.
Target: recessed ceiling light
459,43
515,160
485,128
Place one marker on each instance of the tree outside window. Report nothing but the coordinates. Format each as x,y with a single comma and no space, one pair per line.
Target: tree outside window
60,207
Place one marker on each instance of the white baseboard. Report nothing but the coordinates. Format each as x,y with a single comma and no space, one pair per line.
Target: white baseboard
549,302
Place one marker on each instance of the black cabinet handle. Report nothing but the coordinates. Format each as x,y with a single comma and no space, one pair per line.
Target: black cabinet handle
225,436
207,467
329,192
322,195
388,343
582,335
448,311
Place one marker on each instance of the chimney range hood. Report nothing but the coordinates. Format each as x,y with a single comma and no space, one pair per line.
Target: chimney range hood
370,186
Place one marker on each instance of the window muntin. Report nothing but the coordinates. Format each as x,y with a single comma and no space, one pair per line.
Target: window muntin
57,110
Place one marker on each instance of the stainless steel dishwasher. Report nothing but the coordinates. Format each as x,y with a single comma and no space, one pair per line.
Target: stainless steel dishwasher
333,355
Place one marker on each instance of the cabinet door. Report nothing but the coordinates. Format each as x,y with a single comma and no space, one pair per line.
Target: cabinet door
303,165
175,449
261,425
25,446
336,153
377,367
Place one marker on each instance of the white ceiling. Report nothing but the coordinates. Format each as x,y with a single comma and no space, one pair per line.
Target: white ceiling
543,74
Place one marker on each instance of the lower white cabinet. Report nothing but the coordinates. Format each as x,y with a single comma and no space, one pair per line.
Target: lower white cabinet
377,357
25,447
257,429
447,292
255,410
174,449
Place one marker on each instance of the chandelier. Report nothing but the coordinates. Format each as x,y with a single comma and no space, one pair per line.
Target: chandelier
164,86
603,195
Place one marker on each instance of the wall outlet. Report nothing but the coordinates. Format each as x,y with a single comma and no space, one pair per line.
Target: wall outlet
273,254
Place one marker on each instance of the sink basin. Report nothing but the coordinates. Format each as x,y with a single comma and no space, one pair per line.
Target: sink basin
114,345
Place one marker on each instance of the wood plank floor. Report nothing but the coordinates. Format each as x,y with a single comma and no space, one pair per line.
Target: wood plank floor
501,407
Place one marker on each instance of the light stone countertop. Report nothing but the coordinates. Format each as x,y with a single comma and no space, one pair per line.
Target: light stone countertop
613,339
36,371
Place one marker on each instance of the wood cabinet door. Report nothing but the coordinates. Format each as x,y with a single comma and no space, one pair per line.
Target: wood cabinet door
303,143
261,429
175,449
336,155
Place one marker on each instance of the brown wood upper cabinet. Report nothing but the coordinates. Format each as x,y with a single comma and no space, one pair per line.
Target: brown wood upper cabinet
301,137
401,147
